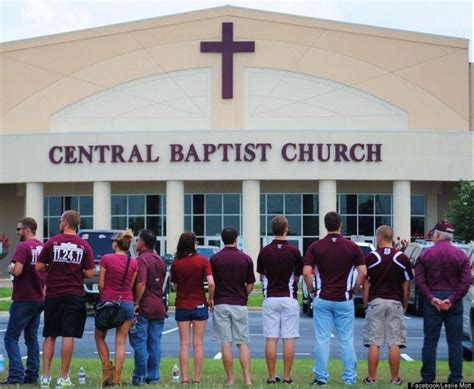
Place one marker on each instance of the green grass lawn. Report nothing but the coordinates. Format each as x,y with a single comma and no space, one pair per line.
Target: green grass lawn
255,299
213,373
6,292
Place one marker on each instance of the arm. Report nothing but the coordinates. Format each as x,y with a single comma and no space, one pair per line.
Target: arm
42,267
249,288
89,273
308,278
406,294
139,290
361,276
420,280
365,292
17,269
101,278
211,286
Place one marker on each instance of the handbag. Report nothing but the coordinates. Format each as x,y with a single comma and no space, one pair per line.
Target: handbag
109,314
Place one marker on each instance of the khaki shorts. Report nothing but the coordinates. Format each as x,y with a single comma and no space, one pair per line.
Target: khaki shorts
230,323
385,323
281,317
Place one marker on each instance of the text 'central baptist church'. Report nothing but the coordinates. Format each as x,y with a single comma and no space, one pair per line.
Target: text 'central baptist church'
229,116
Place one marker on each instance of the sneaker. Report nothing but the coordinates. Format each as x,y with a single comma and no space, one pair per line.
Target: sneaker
45,382
398,381
319,383
368,381
64,383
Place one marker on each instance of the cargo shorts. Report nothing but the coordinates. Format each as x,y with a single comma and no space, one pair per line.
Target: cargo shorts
230,324
385,323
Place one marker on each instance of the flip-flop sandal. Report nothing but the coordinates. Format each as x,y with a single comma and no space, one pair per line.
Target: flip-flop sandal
196,382
289,381
271,382
184,382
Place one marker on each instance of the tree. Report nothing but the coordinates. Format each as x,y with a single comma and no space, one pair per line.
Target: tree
461,212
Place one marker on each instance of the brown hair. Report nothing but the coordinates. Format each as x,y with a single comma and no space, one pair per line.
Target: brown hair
29,222
332,221
124,239
186,245
385,233
72,218
279,224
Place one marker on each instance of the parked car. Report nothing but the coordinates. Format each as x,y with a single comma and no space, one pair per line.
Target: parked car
207,251
413,252
307,300
101,244
468,315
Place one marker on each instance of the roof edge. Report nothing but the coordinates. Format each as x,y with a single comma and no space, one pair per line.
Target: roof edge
229,10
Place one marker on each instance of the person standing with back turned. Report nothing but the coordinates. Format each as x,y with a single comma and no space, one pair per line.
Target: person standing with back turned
279,265
149,306
234,278
67,259
385,295
334,259
443,276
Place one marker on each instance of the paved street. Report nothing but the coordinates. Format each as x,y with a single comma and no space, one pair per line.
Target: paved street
86,346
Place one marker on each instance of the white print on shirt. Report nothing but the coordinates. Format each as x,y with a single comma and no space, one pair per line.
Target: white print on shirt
35,252
68,253
386,251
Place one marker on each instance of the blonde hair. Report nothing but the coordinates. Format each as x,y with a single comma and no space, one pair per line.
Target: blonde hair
124,239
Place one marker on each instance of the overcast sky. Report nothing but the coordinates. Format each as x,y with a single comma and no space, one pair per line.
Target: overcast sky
28,18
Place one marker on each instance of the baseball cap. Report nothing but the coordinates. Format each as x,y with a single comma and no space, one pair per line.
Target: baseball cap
444,226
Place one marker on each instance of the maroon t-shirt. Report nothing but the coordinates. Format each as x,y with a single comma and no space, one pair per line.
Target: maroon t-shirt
28,286
67,256
152,271
336,259
387,269
188,274
232,270
115,265
280,262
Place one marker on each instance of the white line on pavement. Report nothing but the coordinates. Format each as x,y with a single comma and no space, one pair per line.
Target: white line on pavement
406,357
218,356
3,330
332,335
113,352
170,331
407,317
301,354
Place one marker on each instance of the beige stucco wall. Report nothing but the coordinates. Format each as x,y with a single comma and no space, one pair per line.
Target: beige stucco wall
424,75
471,96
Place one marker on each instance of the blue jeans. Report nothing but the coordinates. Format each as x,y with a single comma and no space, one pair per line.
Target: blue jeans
432,322
146,343
327,313
24,316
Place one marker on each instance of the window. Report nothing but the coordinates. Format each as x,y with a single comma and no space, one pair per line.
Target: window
54,206
207,214
418,216
139,211
362,213
301,210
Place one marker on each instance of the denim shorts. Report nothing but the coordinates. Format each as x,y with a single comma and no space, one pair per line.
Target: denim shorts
197,314
128,308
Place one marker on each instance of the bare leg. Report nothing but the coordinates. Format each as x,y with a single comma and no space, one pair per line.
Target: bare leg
199,327
102,347
227,360
244,353
120,339
373,361
394,361
67,347
288,357
271,356
184,328
48,353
